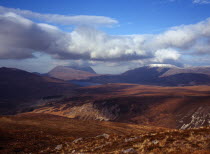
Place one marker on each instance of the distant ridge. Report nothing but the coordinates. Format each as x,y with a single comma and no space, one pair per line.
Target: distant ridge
198,70
159,74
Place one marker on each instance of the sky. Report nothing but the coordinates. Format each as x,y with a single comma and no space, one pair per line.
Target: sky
111,36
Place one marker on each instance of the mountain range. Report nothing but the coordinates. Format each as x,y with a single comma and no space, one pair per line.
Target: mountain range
161,75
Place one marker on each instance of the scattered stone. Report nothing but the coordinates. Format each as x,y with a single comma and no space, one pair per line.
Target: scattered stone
77,140
67,144
131,150
155,141
59,147
103,135
130,139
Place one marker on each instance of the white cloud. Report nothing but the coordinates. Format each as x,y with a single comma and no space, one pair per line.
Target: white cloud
20,38
164,54
63,19
201,1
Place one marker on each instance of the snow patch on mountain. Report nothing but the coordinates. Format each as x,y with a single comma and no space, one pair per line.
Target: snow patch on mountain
162,65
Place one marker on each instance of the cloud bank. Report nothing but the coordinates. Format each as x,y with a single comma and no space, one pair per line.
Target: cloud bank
20,38
62,19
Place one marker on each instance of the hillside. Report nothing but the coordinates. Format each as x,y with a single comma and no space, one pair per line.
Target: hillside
18,87
53,134
177,70
44,132
71,73
171,107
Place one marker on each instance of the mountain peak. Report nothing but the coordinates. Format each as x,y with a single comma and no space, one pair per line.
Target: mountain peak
71,73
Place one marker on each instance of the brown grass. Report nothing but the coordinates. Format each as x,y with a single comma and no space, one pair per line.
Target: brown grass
43,133
36,132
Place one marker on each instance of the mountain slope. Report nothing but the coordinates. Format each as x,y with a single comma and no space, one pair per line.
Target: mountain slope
18,87
171,107
83,68
198,70
68,73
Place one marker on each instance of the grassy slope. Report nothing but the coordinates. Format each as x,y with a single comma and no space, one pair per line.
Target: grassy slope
42,133
36,132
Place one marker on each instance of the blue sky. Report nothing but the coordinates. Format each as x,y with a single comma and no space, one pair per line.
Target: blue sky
123,18
134,16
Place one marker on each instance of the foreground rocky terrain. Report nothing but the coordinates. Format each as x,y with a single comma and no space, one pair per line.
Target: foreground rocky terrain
170,141
44,133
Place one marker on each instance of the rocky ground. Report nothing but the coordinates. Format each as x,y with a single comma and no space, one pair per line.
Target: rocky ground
43,133
170,141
